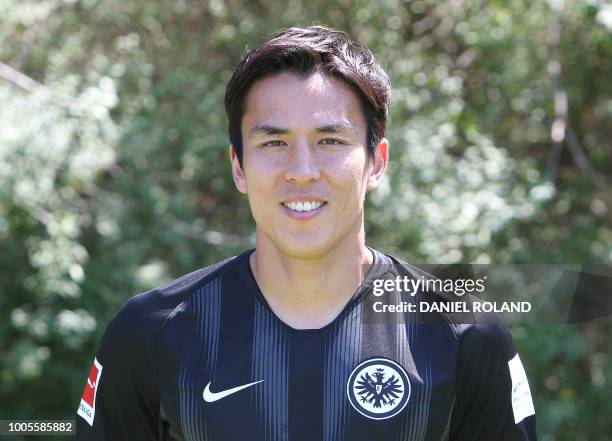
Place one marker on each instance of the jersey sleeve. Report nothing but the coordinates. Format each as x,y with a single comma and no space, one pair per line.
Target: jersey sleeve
493,401
120,399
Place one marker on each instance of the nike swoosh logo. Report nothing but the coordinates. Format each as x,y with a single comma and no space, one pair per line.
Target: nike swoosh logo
90,384
211,397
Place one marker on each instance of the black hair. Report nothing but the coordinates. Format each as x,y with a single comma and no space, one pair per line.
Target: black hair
305,51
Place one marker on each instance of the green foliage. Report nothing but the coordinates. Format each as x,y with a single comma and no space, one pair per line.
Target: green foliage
114,174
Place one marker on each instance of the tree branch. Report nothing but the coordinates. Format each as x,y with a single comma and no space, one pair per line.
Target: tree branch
559,125
24,82
581,158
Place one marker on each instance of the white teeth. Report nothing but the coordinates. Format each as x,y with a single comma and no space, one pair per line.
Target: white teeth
303,206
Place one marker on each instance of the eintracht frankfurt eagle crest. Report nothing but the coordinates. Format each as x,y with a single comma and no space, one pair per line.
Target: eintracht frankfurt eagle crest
378,388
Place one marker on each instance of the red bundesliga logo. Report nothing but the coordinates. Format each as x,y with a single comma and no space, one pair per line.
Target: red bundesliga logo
90,387
87,407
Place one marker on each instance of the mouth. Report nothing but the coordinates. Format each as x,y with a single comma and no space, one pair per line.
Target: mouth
303,206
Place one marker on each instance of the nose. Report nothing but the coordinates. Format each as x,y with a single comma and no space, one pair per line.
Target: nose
302,167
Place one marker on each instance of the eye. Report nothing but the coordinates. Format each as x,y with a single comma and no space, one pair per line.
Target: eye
275,143
332,141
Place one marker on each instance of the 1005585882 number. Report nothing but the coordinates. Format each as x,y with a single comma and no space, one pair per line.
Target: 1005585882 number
25,427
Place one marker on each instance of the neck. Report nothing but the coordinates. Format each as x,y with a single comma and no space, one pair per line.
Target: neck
309,292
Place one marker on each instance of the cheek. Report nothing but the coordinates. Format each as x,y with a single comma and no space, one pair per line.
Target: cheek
262,166
254,171
259,179
357,168
351,182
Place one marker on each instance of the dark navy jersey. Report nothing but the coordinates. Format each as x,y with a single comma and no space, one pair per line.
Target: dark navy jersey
205,358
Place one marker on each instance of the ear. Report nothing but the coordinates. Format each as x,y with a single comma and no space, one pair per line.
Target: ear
378,164
237,172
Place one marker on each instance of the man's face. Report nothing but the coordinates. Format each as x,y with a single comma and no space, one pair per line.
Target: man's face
305,165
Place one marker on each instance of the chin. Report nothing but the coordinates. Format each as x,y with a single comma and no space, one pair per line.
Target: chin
305,249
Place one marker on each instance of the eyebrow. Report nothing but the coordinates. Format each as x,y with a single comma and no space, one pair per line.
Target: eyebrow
266,129
337,127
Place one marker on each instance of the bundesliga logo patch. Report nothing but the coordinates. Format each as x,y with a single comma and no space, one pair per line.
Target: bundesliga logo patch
378,388
87,408
522,405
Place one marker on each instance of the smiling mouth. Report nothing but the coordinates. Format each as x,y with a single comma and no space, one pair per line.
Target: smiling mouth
303,206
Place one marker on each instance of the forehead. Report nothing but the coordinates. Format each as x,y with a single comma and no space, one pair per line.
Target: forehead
289,100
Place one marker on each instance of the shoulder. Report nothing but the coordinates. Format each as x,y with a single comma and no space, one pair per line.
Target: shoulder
143,313
487,337
446,287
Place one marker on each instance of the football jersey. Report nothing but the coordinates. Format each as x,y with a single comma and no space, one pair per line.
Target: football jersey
205,358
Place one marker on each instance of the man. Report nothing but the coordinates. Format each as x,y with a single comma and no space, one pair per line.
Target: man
283,342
